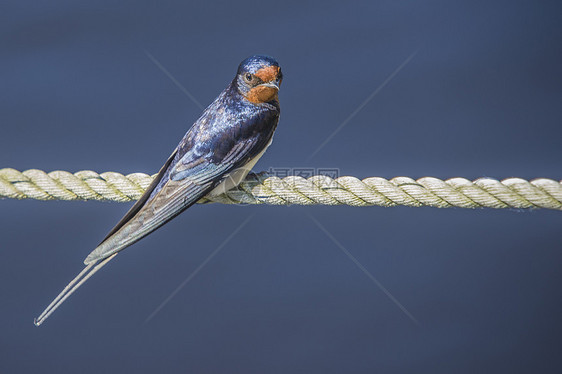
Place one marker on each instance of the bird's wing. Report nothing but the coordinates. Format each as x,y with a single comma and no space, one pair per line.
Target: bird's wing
140,202
177,190
191,178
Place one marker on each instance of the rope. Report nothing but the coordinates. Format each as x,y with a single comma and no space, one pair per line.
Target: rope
316,190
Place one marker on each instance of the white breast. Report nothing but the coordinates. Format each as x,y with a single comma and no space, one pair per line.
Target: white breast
237,176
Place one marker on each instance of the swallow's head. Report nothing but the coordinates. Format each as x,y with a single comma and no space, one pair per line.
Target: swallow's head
258,79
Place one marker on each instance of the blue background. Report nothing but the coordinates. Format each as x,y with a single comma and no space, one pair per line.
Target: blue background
482,97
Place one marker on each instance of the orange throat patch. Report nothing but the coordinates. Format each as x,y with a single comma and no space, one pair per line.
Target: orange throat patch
261,94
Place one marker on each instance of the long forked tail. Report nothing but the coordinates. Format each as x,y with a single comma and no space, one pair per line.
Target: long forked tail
84,275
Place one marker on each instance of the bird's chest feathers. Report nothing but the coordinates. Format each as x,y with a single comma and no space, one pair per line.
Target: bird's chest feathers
234,178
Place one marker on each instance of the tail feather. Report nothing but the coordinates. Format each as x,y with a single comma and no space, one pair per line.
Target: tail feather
71,287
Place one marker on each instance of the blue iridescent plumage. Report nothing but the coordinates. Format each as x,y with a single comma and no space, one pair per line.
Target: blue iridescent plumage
218,150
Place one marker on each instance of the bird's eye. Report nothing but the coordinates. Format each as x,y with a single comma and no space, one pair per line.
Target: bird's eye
248,77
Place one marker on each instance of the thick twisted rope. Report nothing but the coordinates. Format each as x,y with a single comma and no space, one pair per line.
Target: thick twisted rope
316,190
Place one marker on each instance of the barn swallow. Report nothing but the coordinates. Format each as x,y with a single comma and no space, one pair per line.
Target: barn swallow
215,155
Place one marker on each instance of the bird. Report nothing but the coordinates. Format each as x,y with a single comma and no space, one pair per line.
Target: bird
215,155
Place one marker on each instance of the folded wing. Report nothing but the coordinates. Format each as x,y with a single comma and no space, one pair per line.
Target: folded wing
178,186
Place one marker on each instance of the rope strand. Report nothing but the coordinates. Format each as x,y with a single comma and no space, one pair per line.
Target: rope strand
294,190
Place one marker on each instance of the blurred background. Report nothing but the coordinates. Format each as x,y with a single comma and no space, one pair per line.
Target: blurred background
444,88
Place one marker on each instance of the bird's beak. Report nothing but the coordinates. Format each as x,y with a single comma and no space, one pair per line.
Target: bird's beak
272,84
